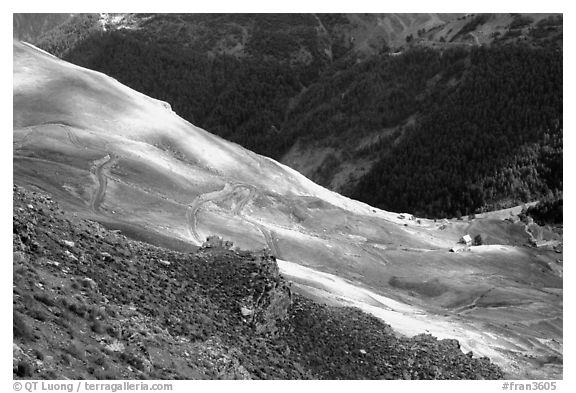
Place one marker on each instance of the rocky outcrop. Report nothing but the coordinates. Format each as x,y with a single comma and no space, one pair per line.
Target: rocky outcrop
214,241
270,298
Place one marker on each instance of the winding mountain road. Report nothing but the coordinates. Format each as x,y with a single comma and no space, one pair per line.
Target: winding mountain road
226,191
71,136
194,207
99,170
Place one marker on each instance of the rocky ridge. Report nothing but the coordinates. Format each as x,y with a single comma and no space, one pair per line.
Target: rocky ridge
89,303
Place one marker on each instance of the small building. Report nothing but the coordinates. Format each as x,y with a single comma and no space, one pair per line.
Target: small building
467,240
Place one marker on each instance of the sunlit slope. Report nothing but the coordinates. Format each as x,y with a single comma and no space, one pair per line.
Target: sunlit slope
47,90
64,114
114,155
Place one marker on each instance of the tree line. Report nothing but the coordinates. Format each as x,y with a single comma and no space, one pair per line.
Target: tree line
486,127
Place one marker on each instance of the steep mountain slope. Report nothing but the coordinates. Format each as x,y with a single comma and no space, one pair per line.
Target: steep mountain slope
91,304
543,30
508,107
30,27
369,34
289,37
111,154
342,98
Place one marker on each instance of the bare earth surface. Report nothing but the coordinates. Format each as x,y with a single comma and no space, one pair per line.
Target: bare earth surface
113,155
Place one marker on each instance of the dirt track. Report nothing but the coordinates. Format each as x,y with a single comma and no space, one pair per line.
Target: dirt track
100,166
196,205
72,137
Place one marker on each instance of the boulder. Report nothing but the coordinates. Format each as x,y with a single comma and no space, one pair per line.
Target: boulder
270,300
89,283
68,243
107,257
245,311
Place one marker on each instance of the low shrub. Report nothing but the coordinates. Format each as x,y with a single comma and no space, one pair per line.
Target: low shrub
478,240
24,369
45,299
98,327
21,329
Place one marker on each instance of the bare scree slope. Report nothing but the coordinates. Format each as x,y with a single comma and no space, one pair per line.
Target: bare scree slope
111,154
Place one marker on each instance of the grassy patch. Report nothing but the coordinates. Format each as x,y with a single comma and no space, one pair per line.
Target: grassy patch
21,329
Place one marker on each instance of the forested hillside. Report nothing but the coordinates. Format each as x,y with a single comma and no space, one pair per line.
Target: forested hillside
496,138
442,131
